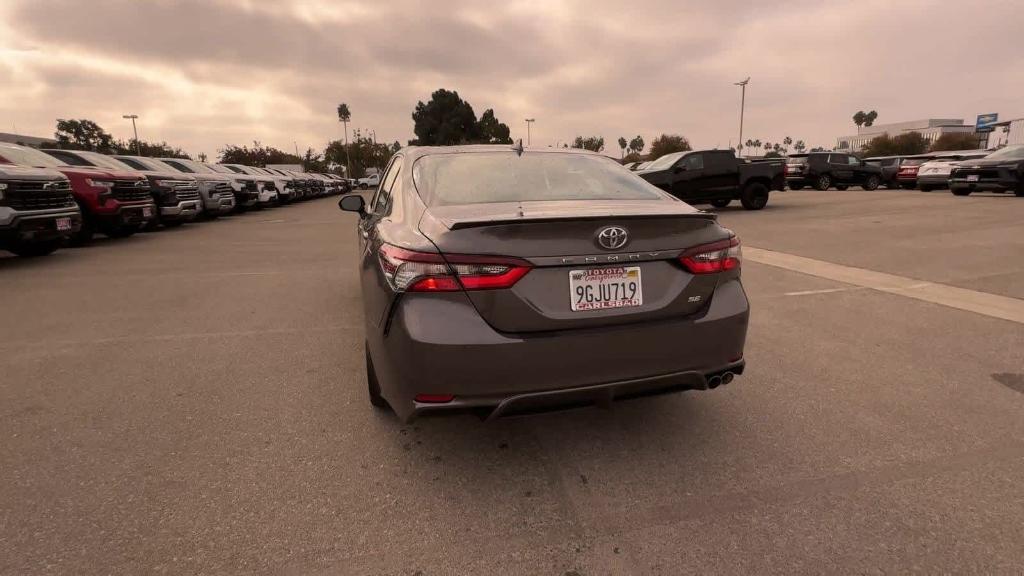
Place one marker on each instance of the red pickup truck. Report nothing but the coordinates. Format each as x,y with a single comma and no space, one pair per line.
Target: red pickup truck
113,202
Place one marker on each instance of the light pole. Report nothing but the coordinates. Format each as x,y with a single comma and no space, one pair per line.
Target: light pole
528,122
743,104
133,117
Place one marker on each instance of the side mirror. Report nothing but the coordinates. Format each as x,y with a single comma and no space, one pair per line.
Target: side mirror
353,203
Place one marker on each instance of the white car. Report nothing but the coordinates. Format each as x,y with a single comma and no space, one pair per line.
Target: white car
370,181
934,174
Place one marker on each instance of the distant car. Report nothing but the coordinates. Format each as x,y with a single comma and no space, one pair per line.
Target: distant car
716,177
176,195
907,175
641,166
370,181
823,170
889,165
263,185
271,184
215,190
1000,171
934,174
471,256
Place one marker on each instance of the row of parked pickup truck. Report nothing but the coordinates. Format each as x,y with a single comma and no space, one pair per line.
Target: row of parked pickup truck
49,197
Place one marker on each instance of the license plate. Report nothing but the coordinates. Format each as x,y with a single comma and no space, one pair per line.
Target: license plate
604,288
973,177
147,212
63,224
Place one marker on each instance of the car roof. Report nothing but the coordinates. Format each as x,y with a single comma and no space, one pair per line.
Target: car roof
420,151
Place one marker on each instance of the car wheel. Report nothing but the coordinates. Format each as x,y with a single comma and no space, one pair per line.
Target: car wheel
721,202
85,233
824,182
35,249
754,196
372,386
842,187
961,191
872,183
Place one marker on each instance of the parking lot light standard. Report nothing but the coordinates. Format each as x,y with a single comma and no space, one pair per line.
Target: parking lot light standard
743,103
528,122
133,117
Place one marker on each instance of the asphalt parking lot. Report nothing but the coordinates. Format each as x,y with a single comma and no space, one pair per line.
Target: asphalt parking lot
193,401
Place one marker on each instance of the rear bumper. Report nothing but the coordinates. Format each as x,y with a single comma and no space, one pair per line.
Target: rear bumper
936,181
439,344
36,226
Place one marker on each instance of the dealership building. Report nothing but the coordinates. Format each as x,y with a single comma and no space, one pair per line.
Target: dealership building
931,129
1005,133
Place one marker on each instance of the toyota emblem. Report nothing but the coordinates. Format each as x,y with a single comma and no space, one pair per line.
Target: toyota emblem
612,237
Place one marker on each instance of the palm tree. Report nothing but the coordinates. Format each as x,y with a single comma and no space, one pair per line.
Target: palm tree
859,118
622,145
800,146
787,141
344,116
869,118
767,147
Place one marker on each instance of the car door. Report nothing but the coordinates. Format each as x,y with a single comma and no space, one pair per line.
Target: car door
839,164
690,179
858,170
376,291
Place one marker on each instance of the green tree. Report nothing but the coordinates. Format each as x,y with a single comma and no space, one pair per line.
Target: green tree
800,146
900,145
344,116
870,117
202,157
636,145
258,155
150,149
622,146
956,141
361,152
491,131
83,135
858,118
592,143
667,144
445,120
787,141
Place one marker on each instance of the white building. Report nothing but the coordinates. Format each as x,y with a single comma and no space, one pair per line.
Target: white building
931,129
1006,132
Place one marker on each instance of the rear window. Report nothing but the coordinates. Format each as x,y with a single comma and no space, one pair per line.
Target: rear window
797,160
914,161
483,177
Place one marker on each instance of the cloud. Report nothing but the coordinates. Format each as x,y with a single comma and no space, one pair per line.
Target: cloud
202,74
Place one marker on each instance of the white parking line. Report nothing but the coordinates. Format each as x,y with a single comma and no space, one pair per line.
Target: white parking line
811,292
1002,307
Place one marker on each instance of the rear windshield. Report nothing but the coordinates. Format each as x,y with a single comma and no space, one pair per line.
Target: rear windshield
914,161
482,177
797,160
1008,153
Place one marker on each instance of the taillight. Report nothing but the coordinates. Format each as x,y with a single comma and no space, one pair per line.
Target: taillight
431,272
434,398
718,256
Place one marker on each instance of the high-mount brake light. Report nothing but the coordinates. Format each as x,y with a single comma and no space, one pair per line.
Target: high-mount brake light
411,271
720,256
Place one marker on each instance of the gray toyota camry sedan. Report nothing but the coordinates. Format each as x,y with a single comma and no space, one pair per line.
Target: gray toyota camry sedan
504,280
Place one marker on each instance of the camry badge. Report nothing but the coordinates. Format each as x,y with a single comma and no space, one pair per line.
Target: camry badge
612,237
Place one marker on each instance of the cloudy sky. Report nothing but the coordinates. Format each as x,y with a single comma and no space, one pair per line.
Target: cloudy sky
205,73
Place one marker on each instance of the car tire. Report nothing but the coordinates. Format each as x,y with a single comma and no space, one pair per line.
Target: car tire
961,191
372,386
754,196
1019,192
872,183
35,249
841,187
721,202
824,182
85,233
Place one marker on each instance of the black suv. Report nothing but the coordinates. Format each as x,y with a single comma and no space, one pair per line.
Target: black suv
1000,171
823,170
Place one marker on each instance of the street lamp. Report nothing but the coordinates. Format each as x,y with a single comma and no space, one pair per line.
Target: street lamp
133,117
528,122
743,104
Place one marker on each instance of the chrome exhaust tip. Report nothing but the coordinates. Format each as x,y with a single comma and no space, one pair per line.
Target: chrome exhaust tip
727,377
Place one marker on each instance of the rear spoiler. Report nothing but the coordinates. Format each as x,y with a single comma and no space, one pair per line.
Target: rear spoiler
463,223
